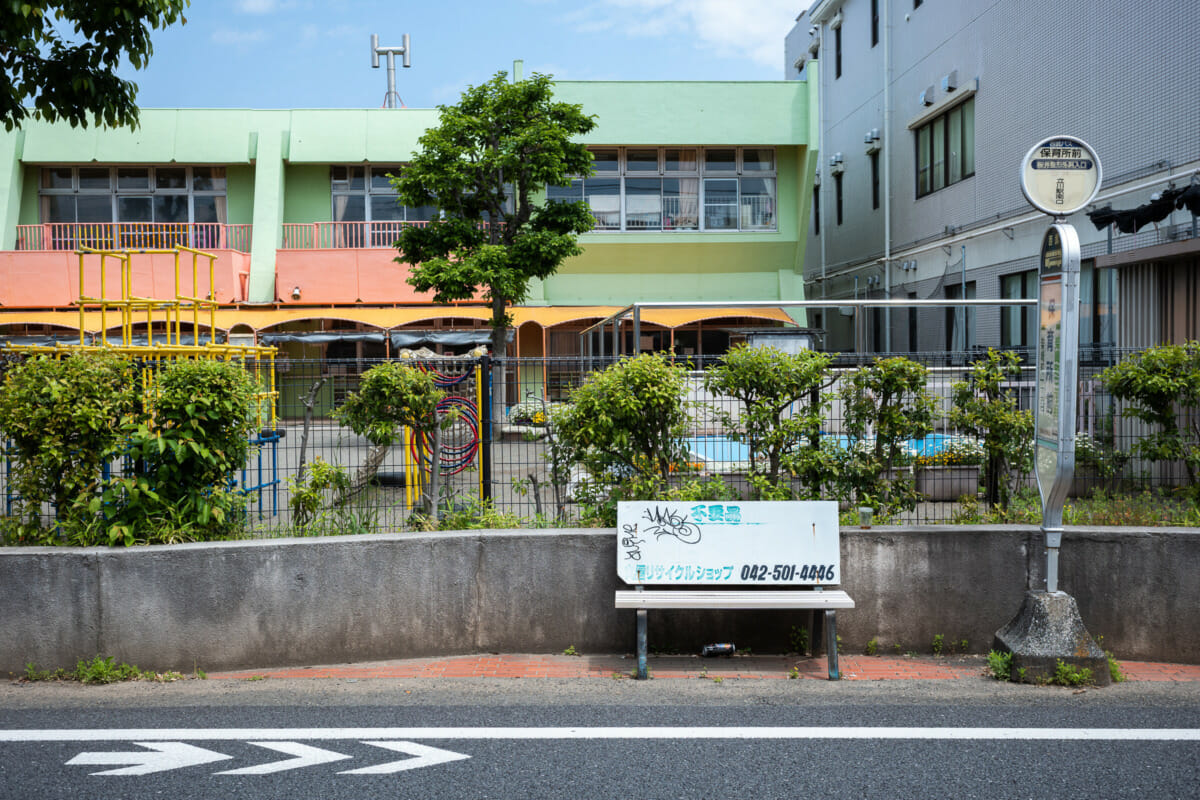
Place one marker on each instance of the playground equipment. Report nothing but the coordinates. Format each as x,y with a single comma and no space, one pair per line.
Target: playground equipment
170,317
457,448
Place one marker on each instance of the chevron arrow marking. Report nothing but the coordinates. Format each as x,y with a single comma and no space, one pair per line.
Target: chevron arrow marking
305,756
424,756
166,755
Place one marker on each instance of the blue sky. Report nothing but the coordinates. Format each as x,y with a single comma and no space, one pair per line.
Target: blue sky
307,54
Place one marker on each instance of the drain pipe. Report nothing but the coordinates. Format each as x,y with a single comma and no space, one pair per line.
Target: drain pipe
887,171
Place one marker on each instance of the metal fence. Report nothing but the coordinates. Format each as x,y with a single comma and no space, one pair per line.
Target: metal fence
506,465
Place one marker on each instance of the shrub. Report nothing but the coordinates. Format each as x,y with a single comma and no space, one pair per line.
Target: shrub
781,414
985,408
185,457
64,418
391,396
626,424
886,404
1161,385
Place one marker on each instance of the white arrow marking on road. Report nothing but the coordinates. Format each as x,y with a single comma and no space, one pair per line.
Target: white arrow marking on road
305,756
168,755
425,757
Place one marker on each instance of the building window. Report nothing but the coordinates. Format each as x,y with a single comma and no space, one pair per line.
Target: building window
1018,324
874,180
1097,308
946,148
366,211
960,322
837,191
156,206
837,52
638,189
874,22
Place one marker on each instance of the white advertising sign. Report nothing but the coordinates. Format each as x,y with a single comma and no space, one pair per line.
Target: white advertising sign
728,543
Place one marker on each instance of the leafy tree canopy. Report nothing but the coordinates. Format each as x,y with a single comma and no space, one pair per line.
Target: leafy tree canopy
61,56
483,166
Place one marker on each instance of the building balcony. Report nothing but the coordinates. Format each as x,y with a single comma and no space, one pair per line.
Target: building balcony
343,235
133,236
43,272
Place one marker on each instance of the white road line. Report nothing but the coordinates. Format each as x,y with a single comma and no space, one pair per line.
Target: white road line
293,734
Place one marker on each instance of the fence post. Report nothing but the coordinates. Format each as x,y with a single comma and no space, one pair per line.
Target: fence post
485,424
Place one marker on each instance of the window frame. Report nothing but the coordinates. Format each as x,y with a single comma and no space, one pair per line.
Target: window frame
749,164
940,162
1024,317
148,192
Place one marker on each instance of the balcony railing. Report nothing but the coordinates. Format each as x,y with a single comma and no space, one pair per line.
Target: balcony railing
343,235
133,236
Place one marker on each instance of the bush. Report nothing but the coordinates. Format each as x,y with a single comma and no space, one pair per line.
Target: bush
886,404
64,418
626,424
985,408
781,415
1161,385
185,458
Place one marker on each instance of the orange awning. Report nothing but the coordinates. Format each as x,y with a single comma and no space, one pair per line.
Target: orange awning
387,318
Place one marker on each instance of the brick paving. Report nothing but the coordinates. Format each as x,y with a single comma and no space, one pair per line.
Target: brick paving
857,668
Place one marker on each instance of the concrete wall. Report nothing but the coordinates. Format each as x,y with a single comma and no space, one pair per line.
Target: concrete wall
262,603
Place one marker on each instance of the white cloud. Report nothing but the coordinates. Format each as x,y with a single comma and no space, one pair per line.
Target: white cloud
238,38
748,29
256,6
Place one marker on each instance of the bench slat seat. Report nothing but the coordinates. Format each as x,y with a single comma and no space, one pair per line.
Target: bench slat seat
733,599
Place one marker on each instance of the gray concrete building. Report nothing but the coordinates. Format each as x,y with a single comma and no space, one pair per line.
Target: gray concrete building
927,108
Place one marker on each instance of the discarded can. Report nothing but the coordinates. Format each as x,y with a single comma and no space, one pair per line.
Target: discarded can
710,650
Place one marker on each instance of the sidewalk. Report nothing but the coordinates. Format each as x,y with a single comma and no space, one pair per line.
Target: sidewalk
854,668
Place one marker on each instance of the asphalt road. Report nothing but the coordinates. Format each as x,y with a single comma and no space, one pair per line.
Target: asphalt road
598,739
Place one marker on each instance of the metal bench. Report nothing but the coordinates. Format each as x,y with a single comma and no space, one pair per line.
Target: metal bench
818,599
735,556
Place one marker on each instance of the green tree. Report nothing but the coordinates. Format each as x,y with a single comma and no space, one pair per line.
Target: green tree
71,76
64,419
987,409
483,166
781,411
886,404
390,396
1161,387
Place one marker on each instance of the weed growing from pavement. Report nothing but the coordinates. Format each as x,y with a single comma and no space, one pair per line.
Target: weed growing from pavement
570,651
939,642
1069,675
872,646
99,670
1114,666
1000,665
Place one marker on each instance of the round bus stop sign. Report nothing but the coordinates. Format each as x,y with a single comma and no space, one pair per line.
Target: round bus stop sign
1060,175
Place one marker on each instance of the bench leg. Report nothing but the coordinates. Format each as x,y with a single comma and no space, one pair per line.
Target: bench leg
831,649
641,644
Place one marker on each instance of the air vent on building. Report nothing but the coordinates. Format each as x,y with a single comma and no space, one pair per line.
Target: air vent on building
928,96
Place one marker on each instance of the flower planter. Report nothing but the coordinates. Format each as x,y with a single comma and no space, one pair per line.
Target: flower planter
948,483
